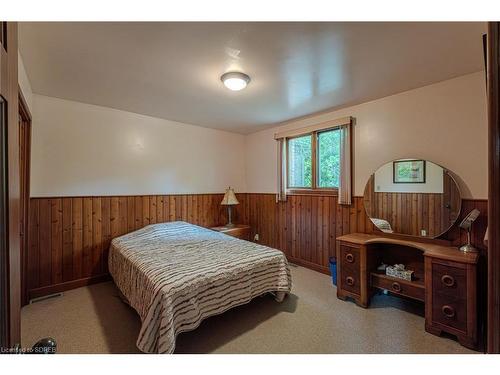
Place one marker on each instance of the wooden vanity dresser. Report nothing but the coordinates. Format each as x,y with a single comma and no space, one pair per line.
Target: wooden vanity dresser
444,279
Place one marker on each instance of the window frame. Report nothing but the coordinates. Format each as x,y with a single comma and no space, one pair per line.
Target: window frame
288,187
314,189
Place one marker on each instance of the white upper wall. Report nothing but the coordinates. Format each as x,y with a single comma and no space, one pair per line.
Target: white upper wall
80,149
24,82
445,123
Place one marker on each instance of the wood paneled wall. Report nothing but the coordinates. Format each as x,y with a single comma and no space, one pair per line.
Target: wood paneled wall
69,237
305,227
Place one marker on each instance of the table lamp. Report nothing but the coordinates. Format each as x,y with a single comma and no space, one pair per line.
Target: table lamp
229,200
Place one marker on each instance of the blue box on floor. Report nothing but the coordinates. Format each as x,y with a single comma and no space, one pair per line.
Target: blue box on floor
333,270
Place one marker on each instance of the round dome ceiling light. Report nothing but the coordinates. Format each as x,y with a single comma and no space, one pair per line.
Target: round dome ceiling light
235,81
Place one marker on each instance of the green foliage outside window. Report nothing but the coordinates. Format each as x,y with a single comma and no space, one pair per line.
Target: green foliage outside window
328,163
328,159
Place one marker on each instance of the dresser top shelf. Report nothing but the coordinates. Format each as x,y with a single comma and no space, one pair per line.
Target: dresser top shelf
429,249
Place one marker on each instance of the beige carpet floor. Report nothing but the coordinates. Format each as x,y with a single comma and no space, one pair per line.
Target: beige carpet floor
312,320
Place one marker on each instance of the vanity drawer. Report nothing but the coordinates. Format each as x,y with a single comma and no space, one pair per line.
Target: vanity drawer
449,311
350,269
349,256
449,280
400,287
349,281
450,304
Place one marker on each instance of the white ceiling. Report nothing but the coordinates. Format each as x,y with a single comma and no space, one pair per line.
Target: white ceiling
172,70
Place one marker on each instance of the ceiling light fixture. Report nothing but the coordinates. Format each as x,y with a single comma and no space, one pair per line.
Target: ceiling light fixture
235,81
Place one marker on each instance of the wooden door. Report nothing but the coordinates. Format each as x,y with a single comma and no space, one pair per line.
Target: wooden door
10,263
493,83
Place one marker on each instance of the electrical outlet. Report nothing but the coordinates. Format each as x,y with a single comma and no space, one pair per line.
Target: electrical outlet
256,237
423,233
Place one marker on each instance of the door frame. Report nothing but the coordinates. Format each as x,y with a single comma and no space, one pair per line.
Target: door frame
4,229
10,257
24,183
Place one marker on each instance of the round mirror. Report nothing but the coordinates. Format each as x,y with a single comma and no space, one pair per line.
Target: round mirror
412,197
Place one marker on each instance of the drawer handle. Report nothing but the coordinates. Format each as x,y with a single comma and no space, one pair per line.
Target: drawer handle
349,257
349,280
448,280
396,287
448,311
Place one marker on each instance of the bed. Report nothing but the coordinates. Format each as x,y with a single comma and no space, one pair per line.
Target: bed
177,274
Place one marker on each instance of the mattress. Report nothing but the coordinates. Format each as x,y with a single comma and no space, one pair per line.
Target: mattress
177,274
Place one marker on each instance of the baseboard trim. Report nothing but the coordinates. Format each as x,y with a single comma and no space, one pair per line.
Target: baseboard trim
310,265
62,287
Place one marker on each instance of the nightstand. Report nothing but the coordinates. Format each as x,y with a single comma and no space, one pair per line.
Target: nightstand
240,231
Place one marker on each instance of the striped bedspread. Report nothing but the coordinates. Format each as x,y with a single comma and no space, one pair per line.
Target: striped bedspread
177,274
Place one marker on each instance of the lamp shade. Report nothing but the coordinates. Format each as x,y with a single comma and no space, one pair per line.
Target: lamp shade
229,198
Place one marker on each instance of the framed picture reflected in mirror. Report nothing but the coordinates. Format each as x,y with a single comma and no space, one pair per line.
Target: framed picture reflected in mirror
408,171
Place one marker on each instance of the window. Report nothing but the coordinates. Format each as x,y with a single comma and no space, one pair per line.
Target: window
300,162
329,159
314,161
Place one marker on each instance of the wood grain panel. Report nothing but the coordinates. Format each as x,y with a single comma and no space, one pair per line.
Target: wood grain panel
69,237
67,246
87,237
77,236
97,242
45,264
